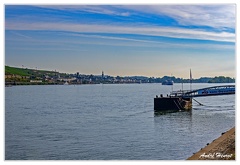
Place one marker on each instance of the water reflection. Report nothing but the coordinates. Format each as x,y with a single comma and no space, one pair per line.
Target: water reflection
181,117
159,113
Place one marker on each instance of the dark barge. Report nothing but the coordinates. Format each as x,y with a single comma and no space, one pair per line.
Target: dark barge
182,100
172,104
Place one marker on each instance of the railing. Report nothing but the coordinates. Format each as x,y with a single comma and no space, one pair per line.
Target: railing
210,91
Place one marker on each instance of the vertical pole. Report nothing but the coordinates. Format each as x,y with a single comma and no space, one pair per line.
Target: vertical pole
190,80
182,86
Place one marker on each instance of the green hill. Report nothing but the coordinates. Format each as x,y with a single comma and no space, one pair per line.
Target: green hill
27,72
17,71
33,74
23,76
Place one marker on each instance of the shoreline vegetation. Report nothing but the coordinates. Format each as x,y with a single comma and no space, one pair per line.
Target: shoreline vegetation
222,148
25,76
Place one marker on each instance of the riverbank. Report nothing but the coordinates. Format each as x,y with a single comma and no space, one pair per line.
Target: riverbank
222,148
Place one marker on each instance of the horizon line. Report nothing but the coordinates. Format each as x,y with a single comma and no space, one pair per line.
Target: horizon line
117,75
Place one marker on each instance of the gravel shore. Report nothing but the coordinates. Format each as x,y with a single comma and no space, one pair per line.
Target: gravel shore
222,148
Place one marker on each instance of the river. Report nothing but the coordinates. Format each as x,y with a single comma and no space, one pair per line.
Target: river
108,122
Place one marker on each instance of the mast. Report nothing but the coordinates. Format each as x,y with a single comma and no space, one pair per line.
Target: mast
190,80
182,85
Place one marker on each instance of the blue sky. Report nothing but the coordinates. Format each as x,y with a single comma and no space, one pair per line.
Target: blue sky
125,40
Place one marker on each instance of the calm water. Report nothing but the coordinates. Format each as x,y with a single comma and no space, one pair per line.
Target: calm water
108,122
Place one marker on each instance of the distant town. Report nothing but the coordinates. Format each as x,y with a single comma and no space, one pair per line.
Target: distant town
25,76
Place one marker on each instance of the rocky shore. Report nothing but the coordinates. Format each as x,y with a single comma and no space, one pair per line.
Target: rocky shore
222,148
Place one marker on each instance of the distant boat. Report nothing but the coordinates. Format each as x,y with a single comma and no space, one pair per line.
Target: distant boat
66,83
167,82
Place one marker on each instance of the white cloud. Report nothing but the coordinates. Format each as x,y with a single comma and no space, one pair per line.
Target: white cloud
113,29
97,9
151,43
216,16
74,40
21,35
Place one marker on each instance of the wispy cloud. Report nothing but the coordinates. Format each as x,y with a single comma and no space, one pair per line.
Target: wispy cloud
74,40
97,9
113,29
153,43
21,35
217,16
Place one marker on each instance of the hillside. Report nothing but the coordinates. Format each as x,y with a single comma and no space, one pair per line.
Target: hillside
27,72
17,71
13,74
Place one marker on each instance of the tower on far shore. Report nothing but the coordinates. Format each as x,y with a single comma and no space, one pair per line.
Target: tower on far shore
102,74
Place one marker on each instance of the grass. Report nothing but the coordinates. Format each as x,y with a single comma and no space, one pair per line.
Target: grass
27,72
17,71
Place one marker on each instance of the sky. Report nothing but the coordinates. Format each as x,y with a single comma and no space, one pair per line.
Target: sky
123,40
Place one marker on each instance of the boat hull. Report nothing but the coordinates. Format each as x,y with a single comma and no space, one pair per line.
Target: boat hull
172,104
167,82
